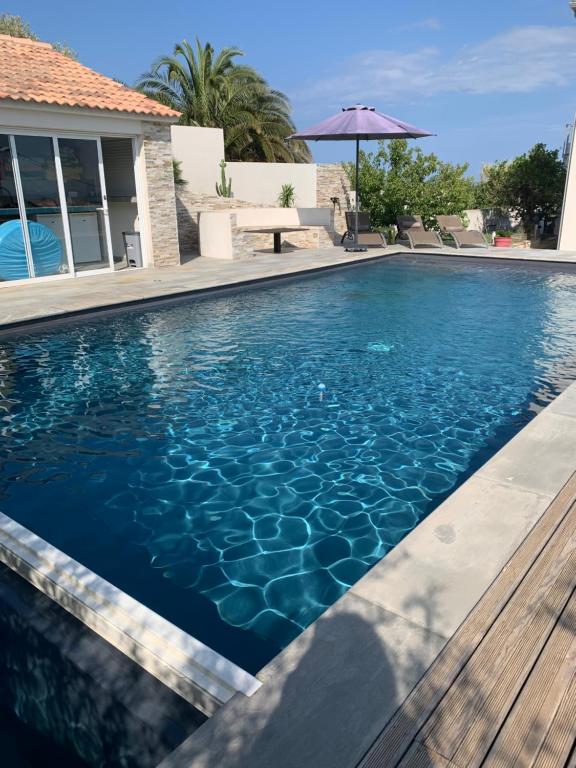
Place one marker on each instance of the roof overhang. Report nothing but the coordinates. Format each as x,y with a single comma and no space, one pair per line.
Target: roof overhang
25,117
86,111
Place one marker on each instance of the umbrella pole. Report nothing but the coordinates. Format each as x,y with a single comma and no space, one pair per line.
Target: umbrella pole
357,195
356,246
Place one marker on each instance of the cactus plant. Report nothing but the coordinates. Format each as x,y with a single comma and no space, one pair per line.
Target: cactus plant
224,189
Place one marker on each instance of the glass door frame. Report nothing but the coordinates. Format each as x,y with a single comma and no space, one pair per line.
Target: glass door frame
22,211
54,136
105,213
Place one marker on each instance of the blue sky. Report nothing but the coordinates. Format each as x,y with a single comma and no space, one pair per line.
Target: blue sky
490,79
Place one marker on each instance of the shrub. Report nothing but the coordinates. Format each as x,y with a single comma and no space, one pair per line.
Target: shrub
400,179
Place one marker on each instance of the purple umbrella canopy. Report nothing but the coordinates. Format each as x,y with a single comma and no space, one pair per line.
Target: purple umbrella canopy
359,123
362,123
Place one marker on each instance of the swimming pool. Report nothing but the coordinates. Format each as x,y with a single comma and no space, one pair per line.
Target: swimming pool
237,462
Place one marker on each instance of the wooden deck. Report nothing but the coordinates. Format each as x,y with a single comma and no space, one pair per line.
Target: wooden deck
503,691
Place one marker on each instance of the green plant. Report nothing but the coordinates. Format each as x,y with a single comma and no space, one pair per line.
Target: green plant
211,89
531,185
503,233
224,189
401,179
179,179
535,186
15,26
286,196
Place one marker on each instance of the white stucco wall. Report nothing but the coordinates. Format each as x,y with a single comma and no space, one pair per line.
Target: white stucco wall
567,239
200,151
261,182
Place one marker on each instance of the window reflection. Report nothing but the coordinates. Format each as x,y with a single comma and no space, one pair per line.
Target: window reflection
80,169
42,202
13,262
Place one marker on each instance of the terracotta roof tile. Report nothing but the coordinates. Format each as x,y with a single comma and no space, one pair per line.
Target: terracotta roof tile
34,72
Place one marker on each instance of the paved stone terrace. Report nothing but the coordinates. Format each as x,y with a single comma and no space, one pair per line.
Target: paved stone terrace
46,300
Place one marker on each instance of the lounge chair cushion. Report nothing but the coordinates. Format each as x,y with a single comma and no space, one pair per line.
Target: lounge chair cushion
363,221
410,222
451,223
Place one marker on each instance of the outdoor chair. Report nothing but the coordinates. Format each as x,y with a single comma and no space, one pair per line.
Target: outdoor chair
453,226
366,235
412,228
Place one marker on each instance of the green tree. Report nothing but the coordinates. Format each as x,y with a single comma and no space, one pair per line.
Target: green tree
401,179
15,26
531,186
492,189
211,89
534,186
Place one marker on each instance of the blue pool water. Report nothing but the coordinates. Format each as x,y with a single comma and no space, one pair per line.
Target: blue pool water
190,455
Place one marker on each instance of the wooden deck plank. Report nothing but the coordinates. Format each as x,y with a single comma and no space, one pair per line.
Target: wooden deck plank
559,745
529,721
500,669
420,756
509,647
396,738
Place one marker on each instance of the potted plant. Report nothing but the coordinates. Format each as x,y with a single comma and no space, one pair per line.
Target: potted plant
503,239
286,196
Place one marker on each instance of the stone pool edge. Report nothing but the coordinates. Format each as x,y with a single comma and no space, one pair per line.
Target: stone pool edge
197,673
414,599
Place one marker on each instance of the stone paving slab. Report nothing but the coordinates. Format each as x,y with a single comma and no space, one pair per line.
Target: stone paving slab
542,456
327,696
444,566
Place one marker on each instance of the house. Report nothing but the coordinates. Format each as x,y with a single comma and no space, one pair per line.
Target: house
83,159
567,236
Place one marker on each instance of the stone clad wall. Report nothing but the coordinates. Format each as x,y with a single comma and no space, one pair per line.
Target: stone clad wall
332,181
190,204
157,151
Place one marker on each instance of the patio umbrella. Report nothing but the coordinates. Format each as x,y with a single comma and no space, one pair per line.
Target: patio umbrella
359,122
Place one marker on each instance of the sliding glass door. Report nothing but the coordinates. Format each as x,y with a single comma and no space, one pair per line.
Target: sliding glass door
87,210
42,205
13,252
53,207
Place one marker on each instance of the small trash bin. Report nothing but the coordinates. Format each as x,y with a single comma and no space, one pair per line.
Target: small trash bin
132,248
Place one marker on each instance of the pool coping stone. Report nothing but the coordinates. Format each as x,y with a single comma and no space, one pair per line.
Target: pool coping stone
193,670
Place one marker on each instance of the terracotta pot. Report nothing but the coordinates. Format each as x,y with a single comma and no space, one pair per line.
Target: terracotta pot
503,242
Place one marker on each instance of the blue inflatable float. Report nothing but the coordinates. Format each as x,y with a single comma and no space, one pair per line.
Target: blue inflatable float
46,251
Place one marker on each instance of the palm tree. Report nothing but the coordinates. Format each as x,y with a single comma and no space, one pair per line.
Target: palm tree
214,91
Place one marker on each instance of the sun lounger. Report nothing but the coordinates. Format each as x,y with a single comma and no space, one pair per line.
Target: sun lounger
411,228
452,225
366,235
